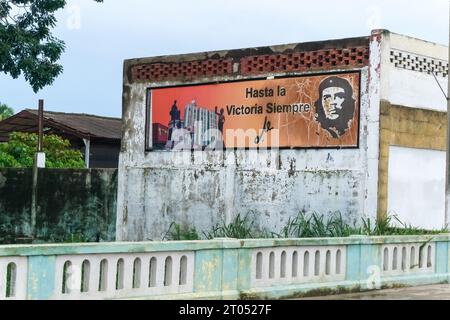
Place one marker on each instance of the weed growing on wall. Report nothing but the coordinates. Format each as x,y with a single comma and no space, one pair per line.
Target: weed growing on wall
392,225
316,226
302,226
177,232
241,227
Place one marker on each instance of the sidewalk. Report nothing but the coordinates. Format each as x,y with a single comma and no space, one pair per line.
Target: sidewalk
434,292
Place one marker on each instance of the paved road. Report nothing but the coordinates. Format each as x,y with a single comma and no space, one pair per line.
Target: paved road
435,292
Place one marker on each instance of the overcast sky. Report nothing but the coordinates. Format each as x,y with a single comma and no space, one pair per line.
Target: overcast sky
100,36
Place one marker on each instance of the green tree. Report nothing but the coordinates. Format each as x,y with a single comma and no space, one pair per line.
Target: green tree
19,152
27,45
5,111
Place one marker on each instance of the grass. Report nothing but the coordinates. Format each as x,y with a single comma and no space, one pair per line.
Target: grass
316,226
392,225
177,232
75,238
239,228
302,226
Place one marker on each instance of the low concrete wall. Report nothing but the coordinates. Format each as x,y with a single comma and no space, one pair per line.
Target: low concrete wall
222,268
72,205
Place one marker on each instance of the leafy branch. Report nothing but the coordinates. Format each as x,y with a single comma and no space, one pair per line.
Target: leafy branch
27,46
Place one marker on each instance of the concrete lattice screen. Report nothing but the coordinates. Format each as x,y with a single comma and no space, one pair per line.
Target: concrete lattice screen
255,64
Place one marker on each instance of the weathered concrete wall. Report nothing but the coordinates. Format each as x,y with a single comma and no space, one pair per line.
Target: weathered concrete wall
412,116
416,186
410,128
73,205
203,188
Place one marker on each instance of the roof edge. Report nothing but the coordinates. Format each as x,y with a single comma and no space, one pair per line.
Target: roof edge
73,114
270,49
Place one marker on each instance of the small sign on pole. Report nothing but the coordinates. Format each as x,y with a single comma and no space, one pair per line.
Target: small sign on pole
40,155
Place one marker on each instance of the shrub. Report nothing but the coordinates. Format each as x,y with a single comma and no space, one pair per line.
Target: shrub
19,152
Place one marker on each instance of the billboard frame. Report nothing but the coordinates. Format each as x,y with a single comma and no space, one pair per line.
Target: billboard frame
149,108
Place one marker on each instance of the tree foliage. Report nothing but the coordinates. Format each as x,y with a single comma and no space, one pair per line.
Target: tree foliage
19,152
5,111
27,45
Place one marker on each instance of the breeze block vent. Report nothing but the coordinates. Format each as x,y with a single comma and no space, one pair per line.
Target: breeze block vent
174,71
304,61
419,63
255,61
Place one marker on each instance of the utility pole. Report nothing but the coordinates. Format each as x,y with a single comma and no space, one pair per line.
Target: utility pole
447,163
41,126
39,162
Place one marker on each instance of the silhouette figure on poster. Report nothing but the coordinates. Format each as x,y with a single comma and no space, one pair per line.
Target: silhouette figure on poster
174,119
221,120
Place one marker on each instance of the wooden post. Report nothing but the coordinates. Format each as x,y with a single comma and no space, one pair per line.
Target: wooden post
36,165
447,162
41,126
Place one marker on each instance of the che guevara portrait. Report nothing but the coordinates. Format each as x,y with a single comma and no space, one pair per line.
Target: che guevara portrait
335,108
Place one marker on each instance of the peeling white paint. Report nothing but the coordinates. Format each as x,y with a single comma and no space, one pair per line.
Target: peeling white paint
418,90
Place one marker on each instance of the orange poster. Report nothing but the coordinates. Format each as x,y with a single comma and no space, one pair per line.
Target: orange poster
316,111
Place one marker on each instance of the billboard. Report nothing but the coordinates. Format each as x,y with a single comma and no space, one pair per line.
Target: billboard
314,111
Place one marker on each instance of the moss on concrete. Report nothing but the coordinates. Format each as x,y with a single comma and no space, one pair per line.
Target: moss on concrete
73,205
